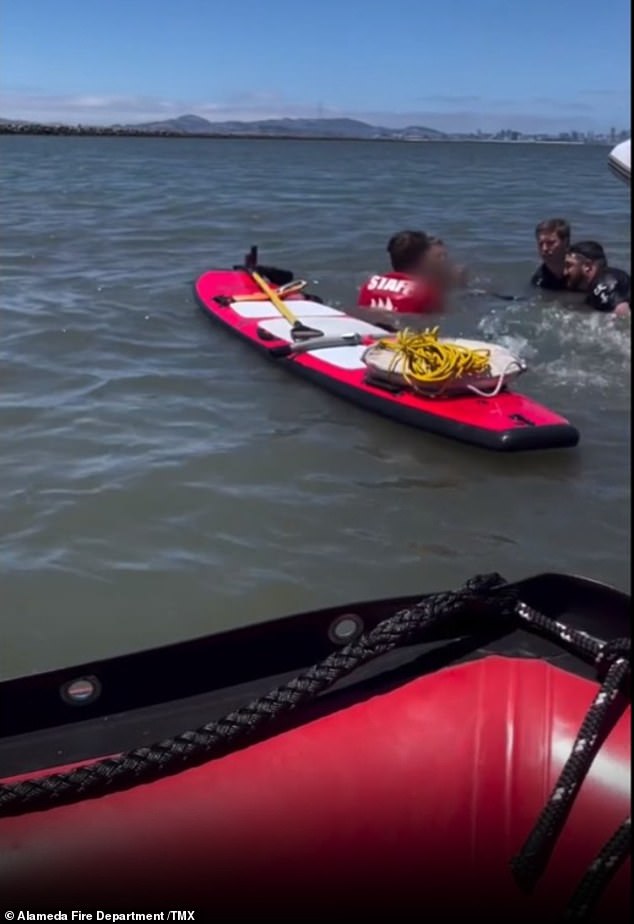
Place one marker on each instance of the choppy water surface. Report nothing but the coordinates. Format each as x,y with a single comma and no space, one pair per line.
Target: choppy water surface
160,481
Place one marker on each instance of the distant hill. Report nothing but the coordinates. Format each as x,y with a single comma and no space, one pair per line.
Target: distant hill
314,128
194,126
264,128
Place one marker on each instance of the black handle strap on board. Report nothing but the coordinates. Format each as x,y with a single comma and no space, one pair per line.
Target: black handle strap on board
274,274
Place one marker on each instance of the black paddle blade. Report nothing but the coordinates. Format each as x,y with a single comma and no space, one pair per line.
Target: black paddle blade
300,331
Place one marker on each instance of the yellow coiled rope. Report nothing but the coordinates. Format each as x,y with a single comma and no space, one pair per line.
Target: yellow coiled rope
422,359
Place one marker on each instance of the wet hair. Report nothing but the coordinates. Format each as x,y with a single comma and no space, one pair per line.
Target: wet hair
436,242
589,250
406,248
558,226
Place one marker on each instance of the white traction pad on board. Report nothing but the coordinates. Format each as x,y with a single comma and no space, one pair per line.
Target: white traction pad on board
329,326
345,357
302,308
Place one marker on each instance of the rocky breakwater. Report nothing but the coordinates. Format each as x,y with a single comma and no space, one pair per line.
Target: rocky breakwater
36,128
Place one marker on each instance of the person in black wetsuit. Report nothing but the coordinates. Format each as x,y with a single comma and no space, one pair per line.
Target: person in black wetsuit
553,240
586,270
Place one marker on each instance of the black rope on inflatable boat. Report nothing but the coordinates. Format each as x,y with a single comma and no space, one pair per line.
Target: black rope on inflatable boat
485,595
534,855
612,658
600,872
584,644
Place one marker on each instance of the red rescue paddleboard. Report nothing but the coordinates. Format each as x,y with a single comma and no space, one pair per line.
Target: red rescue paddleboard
508,422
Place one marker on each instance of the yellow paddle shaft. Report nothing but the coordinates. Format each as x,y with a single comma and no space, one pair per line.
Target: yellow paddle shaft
273,297
292,288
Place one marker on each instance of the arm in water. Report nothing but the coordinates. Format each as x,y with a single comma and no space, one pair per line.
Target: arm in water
611,292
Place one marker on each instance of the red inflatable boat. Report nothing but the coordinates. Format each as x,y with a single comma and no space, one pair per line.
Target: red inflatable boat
506,422
464,754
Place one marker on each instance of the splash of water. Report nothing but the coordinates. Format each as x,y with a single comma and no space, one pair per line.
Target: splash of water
573,348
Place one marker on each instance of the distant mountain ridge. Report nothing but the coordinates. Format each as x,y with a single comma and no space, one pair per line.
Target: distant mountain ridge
193,126
325,128
182,126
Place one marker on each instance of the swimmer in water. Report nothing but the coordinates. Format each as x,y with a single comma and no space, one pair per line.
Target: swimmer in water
586,270
440,267
553,240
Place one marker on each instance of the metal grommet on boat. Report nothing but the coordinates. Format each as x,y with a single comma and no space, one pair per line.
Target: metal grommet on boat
81,692
345,628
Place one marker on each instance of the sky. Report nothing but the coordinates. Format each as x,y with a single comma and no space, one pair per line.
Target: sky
455,65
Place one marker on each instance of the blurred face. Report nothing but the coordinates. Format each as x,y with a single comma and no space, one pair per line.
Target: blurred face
437,257
551,247
436,261
578,272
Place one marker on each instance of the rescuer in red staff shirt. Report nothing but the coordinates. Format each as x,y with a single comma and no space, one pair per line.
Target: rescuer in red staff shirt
411,287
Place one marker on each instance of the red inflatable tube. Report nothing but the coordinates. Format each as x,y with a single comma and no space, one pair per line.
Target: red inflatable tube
411,803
